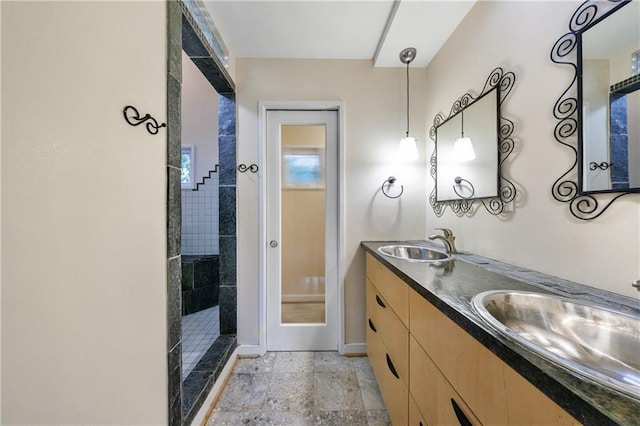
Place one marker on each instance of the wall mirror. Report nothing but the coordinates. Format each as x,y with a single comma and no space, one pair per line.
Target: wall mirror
599,113
467,151
471,146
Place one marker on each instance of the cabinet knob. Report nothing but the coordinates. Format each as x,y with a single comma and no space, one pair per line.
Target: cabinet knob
380,302
372,327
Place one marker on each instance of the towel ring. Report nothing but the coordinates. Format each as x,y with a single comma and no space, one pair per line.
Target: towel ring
458,180
390,181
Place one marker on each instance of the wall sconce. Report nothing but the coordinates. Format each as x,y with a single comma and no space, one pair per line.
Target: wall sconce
462,147
407,150
458,180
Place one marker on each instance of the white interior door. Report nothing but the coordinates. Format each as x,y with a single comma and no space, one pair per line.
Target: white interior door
302,230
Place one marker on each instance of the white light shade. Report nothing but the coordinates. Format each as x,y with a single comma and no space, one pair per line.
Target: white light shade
407,150
463,150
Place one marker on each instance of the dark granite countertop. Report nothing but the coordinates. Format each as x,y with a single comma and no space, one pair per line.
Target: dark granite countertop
450,288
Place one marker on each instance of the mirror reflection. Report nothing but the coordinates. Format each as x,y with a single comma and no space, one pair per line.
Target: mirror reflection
467,152
610,102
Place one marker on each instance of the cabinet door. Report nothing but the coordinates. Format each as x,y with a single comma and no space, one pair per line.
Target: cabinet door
393,332
394,391
497,393
415,418
393,289
439,403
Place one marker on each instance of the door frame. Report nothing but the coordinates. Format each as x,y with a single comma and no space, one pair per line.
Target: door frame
263,107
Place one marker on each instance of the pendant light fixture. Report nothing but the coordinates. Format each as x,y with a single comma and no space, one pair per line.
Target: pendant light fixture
462,147
408,151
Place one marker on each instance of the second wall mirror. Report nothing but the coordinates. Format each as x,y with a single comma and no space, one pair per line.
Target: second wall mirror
471,146
599,113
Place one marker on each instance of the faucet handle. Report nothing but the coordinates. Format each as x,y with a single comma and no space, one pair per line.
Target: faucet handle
446,231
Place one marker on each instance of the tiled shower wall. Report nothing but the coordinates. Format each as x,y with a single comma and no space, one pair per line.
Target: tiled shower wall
187,28
200,218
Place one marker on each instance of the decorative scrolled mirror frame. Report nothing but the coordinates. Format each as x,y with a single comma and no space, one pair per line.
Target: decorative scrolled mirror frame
507,191
566,189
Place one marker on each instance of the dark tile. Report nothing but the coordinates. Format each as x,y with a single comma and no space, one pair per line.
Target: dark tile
174,121
175,413
174,27
216,356
618,115
205,272
227,210
174,213
187,275
187,307
210,69
228,309
228,261
191,43
192,389
227,115
204,297
175,385
197,385
215,294
174,295
227,159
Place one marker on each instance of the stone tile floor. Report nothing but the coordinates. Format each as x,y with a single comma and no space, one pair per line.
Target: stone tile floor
301,388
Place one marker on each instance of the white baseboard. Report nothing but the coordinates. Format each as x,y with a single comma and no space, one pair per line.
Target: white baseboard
303,298
354,348
200,417
250,350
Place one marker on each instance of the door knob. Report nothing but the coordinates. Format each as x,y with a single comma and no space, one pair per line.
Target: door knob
636,284
273,244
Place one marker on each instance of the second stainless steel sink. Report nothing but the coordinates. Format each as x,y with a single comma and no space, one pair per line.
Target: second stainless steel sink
592,341
413,253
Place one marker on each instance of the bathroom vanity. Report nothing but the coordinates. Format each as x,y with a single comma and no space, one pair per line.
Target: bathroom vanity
438,363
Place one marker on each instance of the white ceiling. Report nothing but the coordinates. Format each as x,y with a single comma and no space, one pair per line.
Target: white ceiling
342,29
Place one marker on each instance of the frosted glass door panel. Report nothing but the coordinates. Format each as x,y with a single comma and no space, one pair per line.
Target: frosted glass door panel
303,223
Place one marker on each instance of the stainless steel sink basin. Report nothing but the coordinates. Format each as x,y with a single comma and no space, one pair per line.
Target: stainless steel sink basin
413,253
594,342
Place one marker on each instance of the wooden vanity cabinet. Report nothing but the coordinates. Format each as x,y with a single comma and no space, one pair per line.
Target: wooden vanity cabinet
388,338
495,392
425,364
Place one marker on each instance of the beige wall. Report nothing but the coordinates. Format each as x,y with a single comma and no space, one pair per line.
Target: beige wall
84,320
0,220
375,121
541,234
303,214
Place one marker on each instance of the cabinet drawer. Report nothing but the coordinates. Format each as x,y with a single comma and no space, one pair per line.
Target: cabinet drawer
497,393
415,418
394,391
438,402
393,289
393,332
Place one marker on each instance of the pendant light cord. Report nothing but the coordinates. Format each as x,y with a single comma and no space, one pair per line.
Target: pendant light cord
462,116
407,98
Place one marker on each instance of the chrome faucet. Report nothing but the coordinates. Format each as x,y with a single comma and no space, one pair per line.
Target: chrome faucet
448,239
